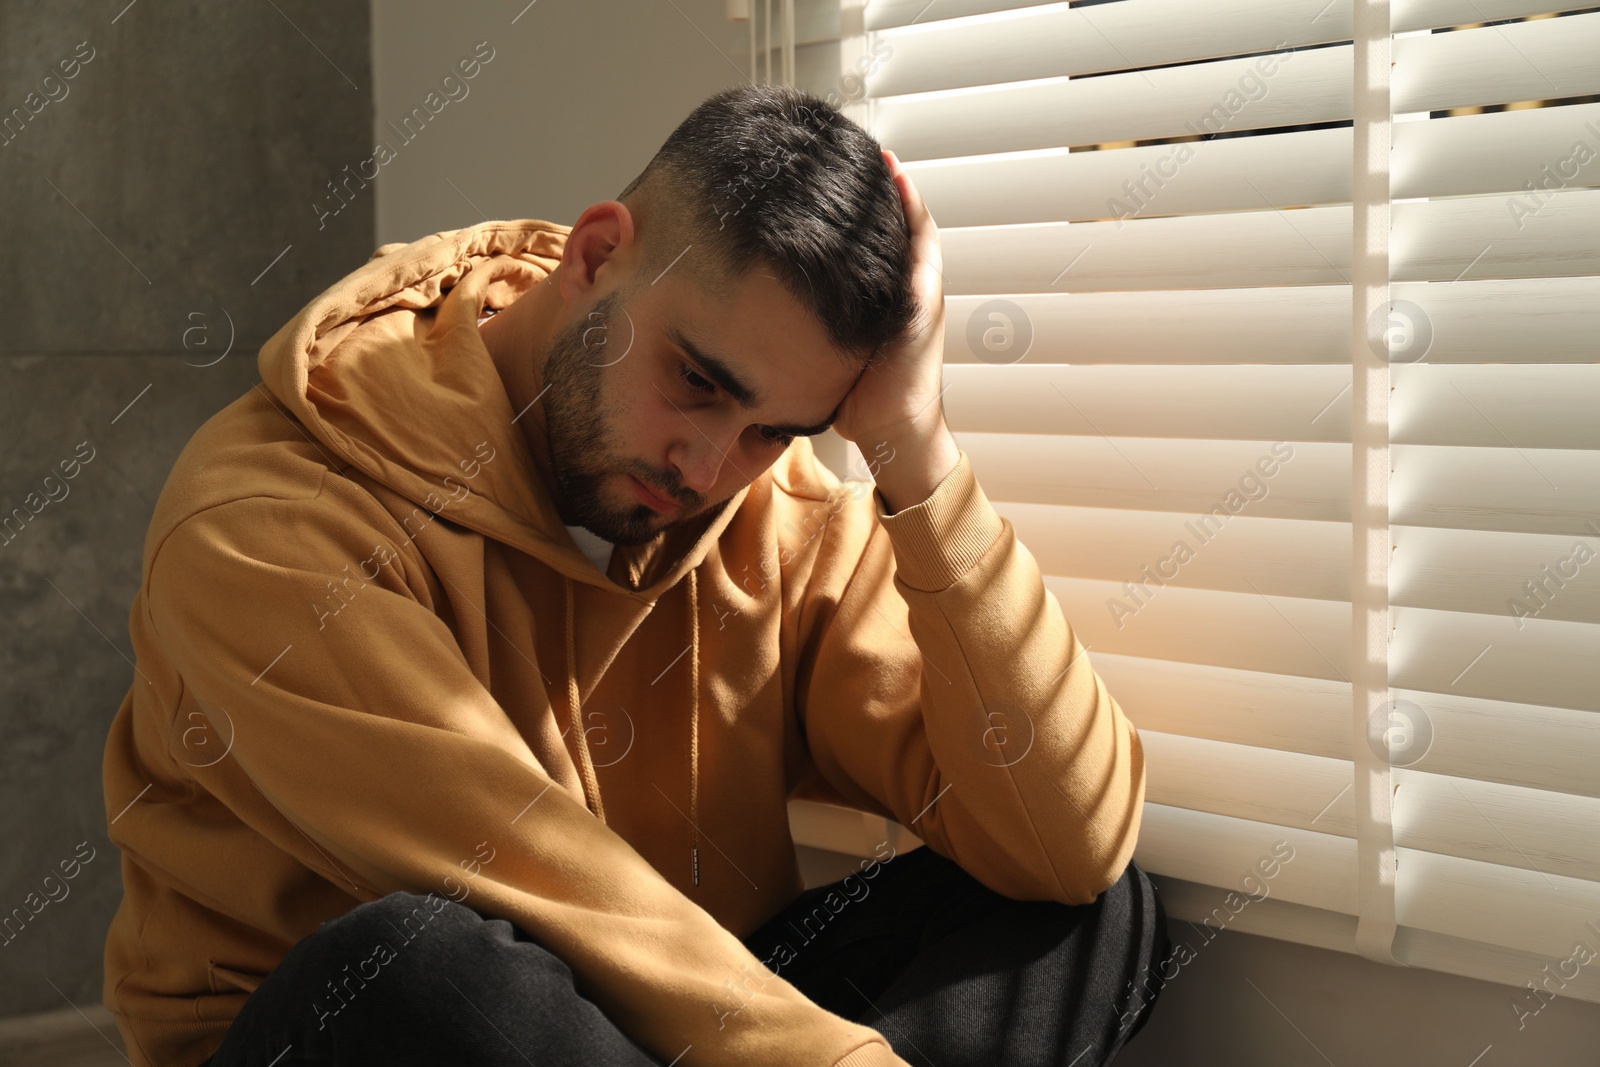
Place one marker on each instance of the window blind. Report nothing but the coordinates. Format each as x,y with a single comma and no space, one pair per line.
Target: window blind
1271,327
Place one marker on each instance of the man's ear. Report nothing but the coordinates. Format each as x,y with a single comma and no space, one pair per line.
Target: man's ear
600,252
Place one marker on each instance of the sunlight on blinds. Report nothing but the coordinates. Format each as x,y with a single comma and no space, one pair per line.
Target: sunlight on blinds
1212,283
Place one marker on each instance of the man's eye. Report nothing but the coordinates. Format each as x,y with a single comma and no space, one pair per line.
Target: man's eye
773,437
694,381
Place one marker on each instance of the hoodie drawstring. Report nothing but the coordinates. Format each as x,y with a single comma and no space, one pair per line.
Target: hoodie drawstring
694,725
591,783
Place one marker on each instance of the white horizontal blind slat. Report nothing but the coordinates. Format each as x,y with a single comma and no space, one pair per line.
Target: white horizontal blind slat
1542,661
1165,327
1248,782
1220,850
1490,65
1221,551
1283,89
1293,714
1481,236
1245,631
1408,16
1405,16
1487,740
1510,826
1055,40
1435,240
1528,405
1210,909
1543,913
1294,169
1505,741
1518,490
882,14
1516,575
1236,174
1190,478
1533,146
1300,403
1256,248
1544,320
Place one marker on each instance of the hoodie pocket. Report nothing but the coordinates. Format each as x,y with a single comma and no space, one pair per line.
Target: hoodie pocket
228,980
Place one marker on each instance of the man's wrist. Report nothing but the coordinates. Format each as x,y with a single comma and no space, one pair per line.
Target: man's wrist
918,463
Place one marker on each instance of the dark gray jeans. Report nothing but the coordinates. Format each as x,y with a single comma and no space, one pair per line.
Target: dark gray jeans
952,973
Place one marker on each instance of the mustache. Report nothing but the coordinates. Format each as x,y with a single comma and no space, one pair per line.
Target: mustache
654,483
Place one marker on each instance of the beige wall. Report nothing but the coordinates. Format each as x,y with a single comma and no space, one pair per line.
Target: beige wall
576,100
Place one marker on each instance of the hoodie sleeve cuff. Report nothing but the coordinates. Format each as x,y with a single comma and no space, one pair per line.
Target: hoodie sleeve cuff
938,540
873,1055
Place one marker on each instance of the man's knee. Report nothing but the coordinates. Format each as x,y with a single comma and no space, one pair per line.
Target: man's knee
1136,893
1134,904
395,919
429,935
394,936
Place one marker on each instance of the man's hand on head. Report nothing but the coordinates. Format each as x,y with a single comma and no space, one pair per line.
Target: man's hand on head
898,398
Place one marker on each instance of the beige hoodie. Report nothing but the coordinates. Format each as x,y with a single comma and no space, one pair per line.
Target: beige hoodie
370,658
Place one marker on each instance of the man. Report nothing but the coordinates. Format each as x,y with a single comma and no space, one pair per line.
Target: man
482,645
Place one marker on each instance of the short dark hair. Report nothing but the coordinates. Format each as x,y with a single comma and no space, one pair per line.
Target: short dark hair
770,176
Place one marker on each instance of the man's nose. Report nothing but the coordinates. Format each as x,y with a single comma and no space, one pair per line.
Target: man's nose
700,457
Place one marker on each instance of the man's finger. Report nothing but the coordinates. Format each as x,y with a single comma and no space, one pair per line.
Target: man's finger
919,220
916,210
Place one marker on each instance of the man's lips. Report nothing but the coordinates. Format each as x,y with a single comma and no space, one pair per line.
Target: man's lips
651,497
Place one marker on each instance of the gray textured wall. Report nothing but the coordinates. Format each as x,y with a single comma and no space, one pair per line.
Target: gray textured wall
147,199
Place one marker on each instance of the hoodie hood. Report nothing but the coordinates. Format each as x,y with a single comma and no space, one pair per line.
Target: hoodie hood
387,370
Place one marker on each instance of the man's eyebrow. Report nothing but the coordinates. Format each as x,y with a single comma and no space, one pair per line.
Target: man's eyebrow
718,371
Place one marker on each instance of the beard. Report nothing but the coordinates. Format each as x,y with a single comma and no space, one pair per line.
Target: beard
583,445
